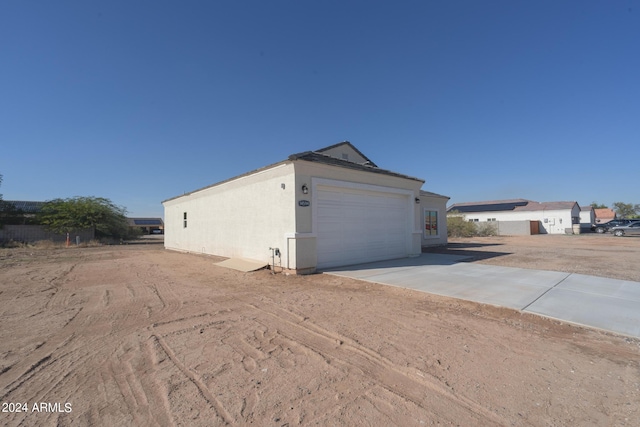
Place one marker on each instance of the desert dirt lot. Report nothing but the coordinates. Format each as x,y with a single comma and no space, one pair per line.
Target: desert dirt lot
136,335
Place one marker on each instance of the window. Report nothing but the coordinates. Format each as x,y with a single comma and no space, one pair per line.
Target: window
491,219
474,220
430,223
184,219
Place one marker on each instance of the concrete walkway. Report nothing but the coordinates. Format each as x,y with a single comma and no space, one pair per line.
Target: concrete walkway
609,304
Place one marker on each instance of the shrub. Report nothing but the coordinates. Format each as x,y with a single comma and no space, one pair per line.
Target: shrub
484,229
458,226
10,243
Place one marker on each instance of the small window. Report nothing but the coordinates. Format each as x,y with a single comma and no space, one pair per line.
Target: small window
345,156
430,223
184,219
491,219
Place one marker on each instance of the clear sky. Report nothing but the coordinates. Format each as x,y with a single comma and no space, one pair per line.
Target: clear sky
140,101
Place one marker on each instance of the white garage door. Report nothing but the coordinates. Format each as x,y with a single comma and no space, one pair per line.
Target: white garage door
355,226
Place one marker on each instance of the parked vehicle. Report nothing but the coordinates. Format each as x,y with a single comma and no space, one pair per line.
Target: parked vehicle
624,230
604,227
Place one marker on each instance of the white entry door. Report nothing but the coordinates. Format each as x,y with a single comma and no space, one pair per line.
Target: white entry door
356,226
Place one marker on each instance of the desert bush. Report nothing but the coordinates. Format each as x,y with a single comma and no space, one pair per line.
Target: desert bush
484,229
458,226
133,233
47,244
11,244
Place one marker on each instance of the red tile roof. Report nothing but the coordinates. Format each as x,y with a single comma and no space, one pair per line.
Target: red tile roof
604,214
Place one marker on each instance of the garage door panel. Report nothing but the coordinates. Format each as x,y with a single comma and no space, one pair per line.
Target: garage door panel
355,226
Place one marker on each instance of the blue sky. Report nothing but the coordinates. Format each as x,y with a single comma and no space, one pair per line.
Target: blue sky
140,101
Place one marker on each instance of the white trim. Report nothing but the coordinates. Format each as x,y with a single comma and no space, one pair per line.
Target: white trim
299,235
438,219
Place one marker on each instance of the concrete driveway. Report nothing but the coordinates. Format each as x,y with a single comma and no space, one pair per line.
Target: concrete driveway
609,304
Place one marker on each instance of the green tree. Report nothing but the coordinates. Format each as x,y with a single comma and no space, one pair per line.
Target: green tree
10,215
8,211
102,215
626,210
596,205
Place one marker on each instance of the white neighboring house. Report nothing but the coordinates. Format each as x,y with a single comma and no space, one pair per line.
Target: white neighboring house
552,217
587,218
320,209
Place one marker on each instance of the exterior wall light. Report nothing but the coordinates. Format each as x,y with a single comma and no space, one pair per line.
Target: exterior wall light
305,189
417,201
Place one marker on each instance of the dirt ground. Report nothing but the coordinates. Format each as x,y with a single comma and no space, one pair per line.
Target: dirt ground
136,335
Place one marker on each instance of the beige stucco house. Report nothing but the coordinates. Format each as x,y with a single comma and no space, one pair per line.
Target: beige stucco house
320,209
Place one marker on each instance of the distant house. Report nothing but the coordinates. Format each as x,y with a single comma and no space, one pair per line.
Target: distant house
147,225
603,215
19,212
587,217
314,210
522,216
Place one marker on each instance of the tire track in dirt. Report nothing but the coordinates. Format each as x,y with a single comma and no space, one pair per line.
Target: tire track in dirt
204,391
29,370
157,389
314,362
408,385
141,393
64,360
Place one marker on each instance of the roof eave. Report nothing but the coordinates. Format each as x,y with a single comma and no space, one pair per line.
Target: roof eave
271,166
332,161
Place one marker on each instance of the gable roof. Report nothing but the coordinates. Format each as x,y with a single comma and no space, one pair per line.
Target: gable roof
515,205
488,206
314,156
367,161
430,194
546,206
317,157
604,213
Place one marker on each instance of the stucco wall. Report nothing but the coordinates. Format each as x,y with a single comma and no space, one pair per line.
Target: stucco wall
351,154
513,228
551,221
438,204
240,218
246,216
587,219
305,238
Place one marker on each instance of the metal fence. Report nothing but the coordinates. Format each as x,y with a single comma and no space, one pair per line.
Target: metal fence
35,233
